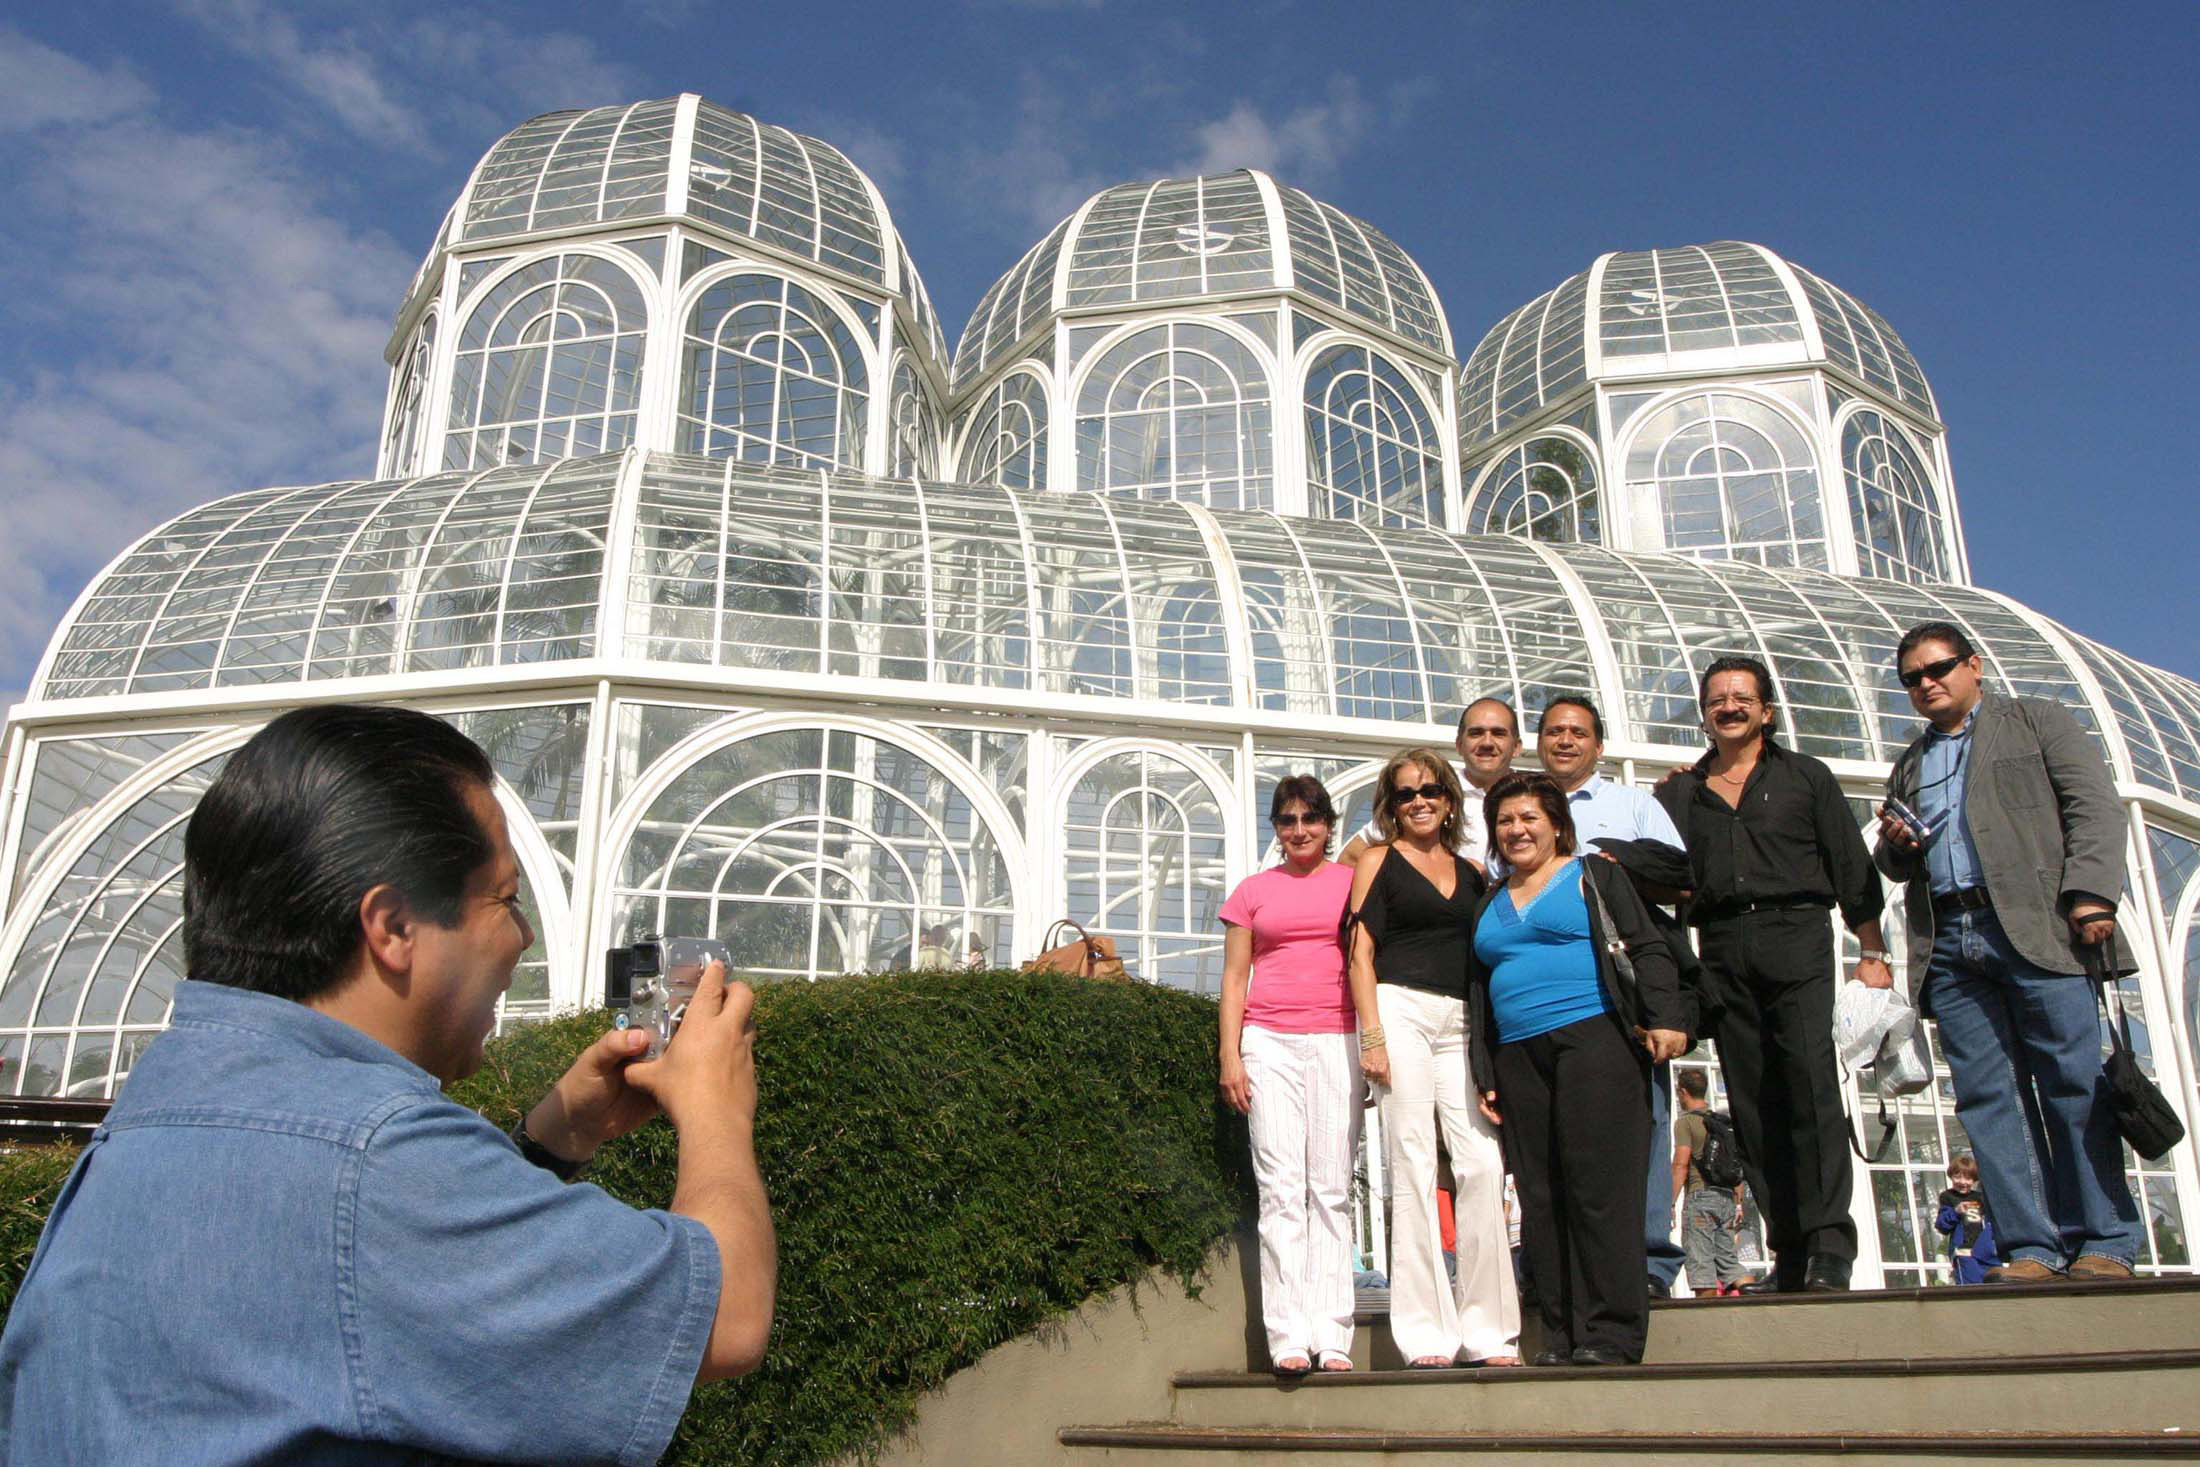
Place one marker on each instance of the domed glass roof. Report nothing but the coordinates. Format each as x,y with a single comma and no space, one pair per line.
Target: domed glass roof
748,569
689,157
1709,307
1186,238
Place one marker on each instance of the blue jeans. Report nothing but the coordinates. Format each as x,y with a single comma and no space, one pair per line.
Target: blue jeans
1665,1255
2024,1046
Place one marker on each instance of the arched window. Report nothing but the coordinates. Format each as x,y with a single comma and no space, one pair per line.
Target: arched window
1546,489
1891,502
1008,445
1145,863
1370,447
915,449
549,366
814,852
1178,411
409,408
1733,478
772,375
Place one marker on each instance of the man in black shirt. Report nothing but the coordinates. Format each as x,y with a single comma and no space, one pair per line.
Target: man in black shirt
1772,846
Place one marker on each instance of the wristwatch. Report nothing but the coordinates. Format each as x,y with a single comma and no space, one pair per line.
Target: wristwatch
542,1156
1876,955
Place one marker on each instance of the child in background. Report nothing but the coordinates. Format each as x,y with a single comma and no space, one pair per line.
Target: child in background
1963,1219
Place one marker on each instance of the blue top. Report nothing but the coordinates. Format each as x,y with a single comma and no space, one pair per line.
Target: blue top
1604,810
285,1245
1543,968
1943,773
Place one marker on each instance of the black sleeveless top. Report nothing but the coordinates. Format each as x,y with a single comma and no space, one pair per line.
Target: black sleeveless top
1422,940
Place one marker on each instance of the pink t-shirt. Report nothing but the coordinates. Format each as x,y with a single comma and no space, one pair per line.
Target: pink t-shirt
1298,961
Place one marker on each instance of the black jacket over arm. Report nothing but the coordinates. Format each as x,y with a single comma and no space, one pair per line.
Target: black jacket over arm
1653,1001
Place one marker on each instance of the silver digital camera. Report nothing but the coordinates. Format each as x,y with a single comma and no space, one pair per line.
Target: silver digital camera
651,980
1919,825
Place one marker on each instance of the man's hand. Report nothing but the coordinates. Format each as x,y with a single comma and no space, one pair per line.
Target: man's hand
2093,922
707,1074
1895,831
1487,1101
1236,1085
1664,1044
1874,973
592,1103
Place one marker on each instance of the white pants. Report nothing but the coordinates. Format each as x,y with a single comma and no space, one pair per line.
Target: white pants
1306,1134
1480,1317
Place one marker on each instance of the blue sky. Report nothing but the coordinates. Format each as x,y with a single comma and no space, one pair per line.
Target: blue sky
214,207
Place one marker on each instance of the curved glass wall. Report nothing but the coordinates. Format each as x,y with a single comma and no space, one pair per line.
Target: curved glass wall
1531,359
1860,342
549,366
1008,439
771,374
1178,411
1895,510
1371,450
408,402
1546,489
1698,298
914,447
814,850
1172,238
1733,478
1144,862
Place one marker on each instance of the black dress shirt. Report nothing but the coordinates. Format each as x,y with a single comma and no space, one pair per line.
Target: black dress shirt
1788,842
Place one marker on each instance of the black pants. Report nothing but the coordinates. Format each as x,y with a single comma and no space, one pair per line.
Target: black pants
1576,1103
1775,974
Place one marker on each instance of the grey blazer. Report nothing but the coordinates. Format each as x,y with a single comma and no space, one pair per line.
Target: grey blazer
2045,822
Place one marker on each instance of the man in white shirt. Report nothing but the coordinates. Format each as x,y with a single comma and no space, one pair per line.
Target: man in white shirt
1569,740
1488,741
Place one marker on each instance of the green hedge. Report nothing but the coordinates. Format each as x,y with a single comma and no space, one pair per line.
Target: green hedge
953,1159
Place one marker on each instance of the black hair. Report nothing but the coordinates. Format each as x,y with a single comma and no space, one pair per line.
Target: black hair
320,807
1767,692
1577,700
1694,1084
1306,790
1510,712
1545,791
1934,631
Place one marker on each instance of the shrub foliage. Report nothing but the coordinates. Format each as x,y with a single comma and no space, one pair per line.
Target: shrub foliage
953,1159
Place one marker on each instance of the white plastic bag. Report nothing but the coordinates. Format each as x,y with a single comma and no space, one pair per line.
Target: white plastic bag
1862,1019
1903,1063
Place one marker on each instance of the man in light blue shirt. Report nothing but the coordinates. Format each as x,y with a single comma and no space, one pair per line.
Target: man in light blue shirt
285,1245
1951,861
1569,740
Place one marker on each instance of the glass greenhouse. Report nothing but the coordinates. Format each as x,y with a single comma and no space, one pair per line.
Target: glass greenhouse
783,626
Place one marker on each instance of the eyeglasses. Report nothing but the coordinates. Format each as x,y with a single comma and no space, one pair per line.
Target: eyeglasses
1937,671
1738,700
1293,822
1406,794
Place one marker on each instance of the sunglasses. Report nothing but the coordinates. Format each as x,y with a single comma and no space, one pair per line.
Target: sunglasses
1934,670
1406,794
1293,822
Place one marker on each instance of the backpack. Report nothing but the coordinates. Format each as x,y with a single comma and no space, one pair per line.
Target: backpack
1720,1161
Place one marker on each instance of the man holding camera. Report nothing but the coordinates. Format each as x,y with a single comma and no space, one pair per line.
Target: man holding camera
2002,820
285,1244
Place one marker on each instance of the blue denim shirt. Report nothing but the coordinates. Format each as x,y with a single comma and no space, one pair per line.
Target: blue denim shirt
285,1245
1943,773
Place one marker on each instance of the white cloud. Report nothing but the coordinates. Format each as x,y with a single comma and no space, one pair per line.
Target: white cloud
213,327
40,86
1305,146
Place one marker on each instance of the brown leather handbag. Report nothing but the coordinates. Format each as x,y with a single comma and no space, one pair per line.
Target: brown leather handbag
1085,956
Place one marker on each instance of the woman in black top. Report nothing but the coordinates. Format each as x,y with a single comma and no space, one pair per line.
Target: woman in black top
1413,901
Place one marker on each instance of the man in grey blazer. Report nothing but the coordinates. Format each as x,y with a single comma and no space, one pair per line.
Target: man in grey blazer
2015,860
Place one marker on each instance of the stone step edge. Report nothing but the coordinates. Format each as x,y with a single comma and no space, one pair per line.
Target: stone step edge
1972,1294
1696,1370
1349,1439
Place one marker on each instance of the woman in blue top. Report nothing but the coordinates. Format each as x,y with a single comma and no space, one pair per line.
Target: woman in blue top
1564,1037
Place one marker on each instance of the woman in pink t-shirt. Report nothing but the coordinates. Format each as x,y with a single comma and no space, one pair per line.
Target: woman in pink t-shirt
1292,1063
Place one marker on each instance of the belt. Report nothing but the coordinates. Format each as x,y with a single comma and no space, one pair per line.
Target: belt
1970,899
1727,910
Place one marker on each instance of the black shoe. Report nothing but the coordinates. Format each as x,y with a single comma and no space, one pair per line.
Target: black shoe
1660,1289
1555,1355
1769,1284
1826,1274
1600,1355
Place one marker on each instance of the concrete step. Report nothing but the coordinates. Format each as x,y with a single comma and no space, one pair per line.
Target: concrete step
1161,1445
2015,1319
2142,1390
